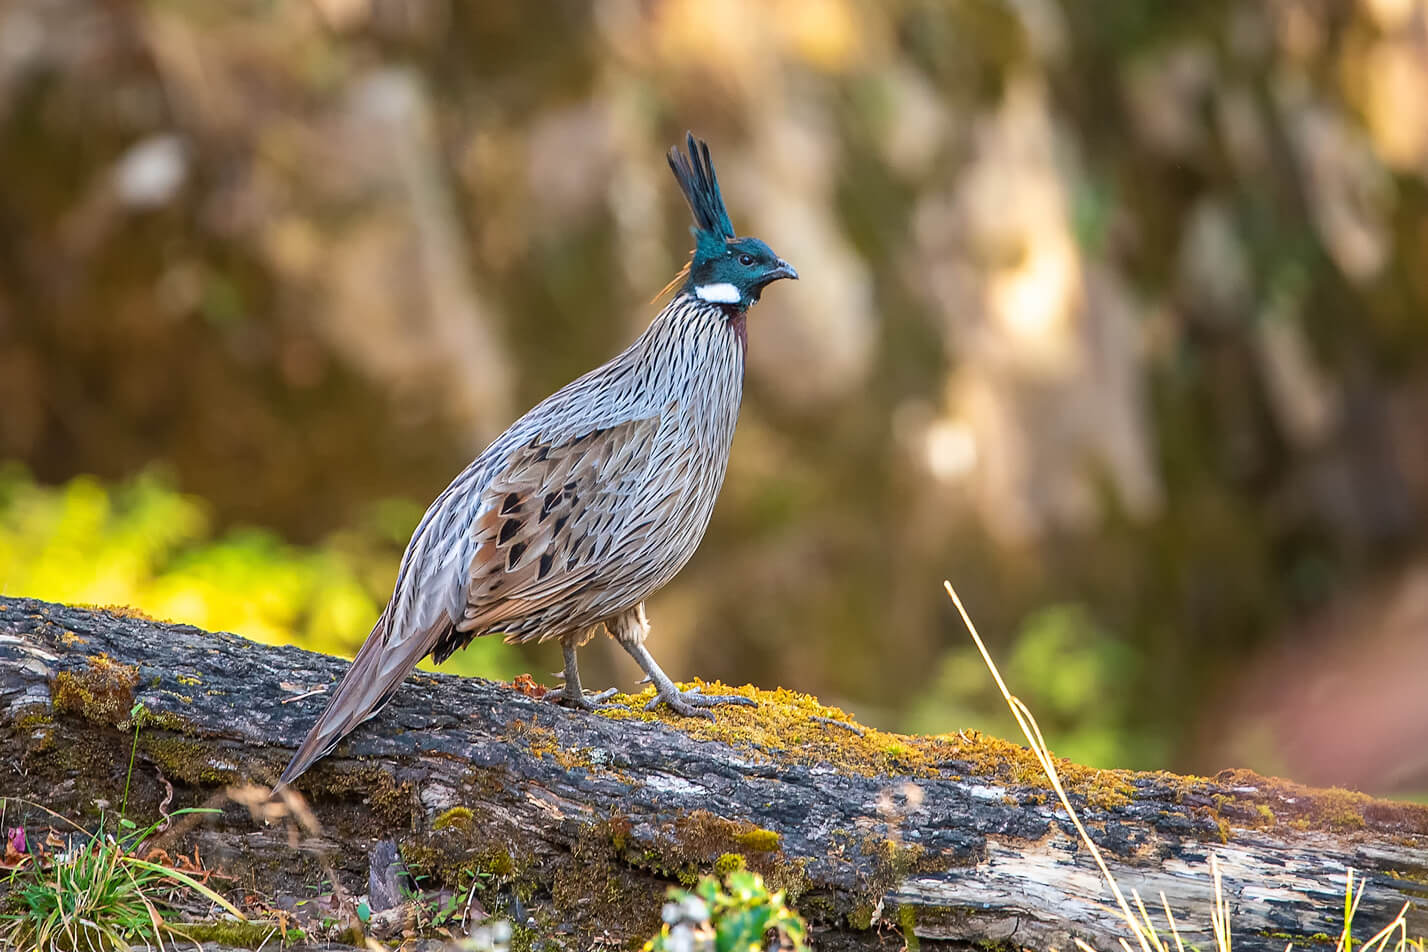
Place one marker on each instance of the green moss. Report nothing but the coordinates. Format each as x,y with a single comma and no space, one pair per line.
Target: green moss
1271,800
459,865
102,693
191,761
240,935
996,945
523,939
689,846
393,803
861,916
35,717
468,845
593,879
890,862
608,869
907,922
728,863
758,840
790,727
146,717
455,817
1318,938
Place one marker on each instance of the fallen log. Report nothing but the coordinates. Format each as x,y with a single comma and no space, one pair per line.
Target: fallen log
576,824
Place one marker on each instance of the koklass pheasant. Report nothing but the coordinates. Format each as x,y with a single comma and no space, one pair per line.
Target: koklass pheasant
588,504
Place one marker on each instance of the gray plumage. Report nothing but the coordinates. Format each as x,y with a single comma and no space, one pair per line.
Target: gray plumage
585,506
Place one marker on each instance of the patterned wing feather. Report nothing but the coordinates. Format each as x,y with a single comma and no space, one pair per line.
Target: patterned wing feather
549,523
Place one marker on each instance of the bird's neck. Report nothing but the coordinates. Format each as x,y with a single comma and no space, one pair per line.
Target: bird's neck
739,324
697,344
688,318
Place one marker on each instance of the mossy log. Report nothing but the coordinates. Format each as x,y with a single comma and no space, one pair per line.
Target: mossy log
580,822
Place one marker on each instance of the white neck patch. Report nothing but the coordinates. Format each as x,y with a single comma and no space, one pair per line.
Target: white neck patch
721,293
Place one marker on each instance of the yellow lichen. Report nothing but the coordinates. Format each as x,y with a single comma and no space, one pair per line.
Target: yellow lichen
102,693
790,727
729,863
119,611
543,742
1308,808
692,844
758,841
459,817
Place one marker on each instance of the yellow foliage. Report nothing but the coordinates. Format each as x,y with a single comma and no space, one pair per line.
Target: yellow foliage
150,549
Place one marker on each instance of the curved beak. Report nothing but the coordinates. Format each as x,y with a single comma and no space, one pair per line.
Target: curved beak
781,270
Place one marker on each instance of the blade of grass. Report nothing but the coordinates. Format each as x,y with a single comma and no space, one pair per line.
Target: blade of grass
1220,914
187,880
1170,918
1029,728
1381,937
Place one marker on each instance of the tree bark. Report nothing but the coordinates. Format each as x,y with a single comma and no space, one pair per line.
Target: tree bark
577,823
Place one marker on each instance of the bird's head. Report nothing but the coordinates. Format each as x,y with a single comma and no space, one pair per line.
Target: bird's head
725,269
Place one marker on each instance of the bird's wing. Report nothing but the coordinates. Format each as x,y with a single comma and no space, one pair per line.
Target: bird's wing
554,520
548,526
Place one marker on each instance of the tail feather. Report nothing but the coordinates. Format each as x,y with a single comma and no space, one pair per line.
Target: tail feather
381,665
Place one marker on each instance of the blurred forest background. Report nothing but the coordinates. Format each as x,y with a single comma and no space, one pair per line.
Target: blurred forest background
1114,313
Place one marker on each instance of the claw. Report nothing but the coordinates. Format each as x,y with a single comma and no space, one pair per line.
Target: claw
695,703
583,701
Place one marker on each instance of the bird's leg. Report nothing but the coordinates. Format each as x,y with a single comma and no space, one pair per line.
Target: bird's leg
630,629
572,693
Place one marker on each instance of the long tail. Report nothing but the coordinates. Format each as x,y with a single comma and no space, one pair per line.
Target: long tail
378,670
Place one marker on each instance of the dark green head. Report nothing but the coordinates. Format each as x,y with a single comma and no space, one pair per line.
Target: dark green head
725,269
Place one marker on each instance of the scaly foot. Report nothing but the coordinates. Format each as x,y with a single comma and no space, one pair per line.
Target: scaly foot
694,702
629,629
581,700
571,694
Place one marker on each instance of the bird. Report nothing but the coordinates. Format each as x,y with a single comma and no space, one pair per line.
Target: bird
589,503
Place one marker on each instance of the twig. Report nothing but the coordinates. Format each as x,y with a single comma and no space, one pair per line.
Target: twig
164,804
837,723
320,689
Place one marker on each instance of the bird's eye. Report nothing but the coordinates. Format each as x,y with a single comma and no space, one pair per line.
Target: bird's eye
746,260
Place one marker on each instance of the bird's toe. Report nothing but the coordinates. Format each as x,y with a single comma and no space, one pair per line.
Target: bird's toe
582,701
695,703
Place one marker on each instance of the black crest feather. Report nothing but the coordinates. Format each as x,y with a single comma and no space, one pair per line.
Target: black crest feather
695,173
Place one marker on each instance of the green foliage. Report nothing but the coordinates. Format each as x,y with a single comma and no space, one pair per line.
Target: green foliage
102,889
145,545
736,916
1076,673
97,894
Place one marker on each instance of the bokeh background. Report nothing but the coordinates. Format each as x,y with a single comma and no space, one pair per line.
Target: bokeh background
1113,313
